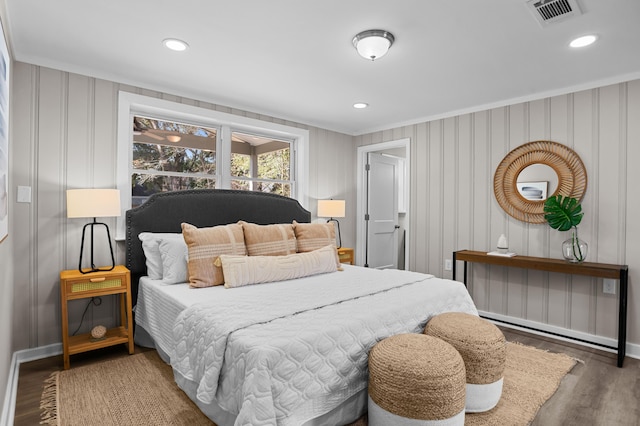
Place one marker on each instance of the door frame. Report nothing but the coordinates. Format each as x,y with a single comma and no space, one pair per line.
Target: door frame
362,195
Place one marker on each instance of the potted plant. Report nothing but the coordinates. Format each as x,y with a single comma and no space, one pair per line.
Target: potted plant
565,213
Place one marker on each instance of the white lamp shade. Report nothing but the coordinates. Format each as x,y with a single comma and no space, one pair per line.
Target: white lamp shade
93,202
331,208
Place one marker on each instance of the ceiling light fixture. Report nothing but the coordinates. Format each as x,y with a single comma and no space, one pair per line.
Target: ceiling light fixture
583,41
173,138
373,44
175,44
360,105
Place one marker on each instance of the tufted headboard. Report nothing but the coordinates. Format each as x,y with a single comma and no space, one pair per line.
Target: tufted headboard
164,212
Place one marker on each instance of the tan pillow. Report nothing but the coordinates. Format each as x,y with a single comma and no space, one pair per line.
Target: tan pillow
205,245
269,240
244,270
312,236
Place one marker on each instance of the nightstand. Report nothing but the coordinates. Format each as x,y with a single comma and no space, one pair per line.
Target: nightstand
74,285
346,255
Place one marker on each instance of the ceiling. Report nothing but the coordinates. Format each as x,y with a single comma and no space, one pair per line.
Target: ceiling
294,59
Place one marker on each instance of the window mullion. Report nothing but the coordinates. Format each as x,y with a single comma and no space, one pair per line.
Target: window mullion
293,168
224,159
155,172
248,179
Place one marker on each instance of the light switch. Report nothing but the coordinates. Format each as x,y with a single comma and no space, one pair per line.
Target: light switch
24,194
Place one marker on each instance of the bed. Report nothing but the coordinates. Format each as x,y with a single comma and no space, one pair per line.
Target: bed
290,352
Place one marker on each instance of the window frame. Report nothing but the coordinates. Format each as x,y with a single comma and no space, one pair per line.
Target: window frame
131,104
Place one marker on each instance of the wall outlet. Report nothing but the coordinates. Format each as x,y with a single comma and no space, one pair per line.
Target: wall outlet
447,264
609,286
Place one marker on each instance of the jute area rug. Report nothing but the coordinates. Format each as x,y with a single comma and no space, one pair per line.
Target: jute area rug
139,390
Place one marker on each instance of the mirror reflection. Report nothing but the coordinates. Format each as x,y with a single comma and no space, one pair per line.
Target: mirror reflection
536,182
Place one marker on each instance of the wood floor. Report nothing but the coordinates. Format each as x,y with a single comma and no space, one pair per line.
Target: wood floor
595,392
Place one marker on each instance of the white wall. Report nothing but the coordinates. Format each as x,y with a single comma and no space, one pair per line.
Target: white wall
6,274
65,136
453,207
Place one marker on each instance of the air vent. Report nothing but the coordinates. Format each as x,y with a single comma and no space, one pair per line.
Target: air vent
548,12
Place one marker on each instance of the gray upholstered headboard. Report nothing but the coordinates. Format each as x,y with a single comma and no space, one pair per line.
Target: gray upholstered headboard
164,212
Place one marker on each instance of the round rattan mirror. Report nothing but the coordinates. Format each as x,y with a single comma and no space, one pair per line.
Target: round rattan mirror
572,177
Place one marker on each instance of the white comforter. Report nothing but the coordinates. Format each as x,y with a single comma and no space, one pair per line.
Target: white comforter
286,352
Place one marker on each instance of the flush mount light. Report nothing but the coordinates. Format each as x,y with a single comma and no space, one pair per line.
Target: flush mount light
173,138
360,105
373,44
583,41
175,44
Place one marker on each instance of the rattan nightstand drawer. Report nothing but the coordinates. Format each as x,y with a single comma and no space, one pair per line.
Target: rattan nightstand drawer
98,284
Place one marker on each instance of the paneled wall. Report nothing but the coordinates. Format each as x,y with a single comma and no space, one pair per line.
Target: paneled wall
453,207
6,270
64,136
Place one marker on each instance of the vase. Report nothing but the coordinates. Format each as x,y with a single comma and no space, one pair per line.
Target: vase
574,249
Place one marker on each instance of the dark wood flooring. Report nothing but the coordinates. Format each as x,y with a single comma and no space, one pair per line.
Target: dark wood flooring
595,392
33,374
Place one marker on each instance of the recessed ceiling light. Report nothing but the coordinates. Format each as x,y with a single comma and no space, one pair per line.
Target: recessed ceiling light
360,105
583,41
175,44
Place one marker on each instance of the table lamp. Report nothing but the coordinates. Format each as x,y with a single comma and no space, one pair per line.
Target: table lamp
93,203
332,209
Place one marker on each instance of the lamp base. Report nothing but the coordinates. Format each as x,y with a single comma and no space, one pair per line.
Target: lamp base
93,266
91,270
339,236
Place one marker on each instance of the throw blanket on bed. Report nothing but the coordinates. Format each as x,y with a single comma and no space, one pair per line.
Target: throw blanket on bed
286,352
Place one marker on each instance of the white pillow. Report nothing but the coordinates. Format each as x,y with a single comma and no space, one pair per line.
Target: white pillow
151,249
244,270
174,256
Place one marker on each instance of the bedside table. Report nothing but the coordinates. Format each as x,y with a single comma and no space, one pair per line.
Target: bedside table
74,285
346,255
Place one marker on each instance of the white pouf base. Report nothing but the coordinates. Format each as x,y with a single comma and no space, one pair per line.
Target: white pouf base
481,398
378,416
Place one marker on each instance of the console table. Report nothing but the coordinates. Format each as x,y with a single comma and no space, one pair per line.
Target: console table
601,270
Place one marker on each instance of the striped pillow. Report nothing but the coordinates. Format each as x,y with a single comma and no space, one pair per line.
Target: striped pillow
205,245
269,240
245,270
312,236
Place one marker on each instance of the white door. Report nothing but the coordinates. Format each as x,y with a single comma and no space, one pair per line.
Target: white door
381,217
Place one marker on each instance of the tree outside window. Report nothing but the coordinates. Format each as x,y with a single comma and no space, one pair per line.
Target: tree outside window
172,156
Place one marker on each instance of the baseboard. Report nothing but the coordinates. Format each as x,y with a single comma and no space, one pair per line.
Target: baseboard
9,405
632,350
18,357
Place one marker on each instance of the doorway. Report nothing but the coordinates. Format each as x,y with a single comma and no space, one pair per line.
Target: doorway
376,231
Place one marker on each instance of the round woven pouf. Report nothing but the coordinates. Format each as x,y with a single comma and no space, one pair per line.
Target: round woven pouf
484,351
415,379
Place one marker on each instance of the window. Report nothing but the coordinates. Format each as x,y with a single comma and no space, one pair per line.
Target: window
170,156
260,164
167,146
